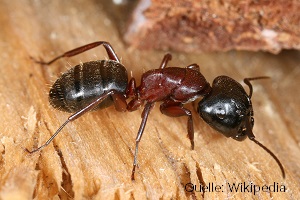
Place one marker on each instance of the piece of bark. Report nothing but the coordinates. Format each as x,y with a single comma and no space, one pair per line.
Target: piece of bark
205,26
92,157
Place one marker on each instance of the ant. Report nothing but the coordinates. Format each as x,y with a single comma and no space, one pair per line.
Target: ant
98,84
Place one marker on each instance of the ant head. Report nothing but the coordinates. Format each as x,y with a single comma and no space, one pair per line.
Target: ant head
227,108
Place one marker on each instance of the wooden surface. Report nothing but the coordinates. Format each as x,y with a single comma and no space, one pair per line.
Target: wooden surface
207,26
92,157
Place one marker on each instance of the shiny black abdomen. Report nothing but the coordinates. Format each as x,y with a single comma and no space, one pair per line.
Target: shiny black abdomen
82,84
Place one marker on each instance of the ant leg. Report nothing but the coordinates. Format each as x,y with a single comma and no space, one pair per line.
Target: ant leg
119,101
252,137
247,82
176,109
145,115
194,67
110,52
78,114
165,60
134,104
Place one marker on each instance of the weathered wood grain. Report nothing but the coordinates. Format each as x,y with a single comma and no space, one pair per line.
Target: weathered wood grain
92,157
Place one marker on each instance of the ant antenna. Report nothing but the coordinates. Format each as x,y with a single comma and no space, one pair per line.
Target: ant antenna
249,129
271,153
247,82
252,137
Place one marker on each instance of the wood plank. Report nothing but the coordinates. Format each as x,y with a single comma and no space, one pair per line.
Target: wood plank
92,157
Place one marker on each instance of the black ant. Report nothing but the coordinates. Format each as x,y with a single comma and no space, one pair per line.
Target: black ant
98,84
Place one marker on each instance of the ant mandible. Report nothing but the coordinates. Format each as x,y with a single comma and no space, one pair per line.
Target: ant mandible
98,84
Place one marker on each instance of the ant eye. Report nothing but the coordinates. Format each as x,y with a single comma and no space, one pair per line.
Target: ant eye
221,113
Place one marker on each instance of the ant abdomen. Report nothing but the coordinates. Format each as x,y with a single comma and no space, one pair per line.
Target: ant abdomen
82,84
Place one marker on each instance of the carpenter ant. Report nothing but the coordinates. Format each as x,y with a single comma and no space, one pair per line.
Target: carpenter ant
99,84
